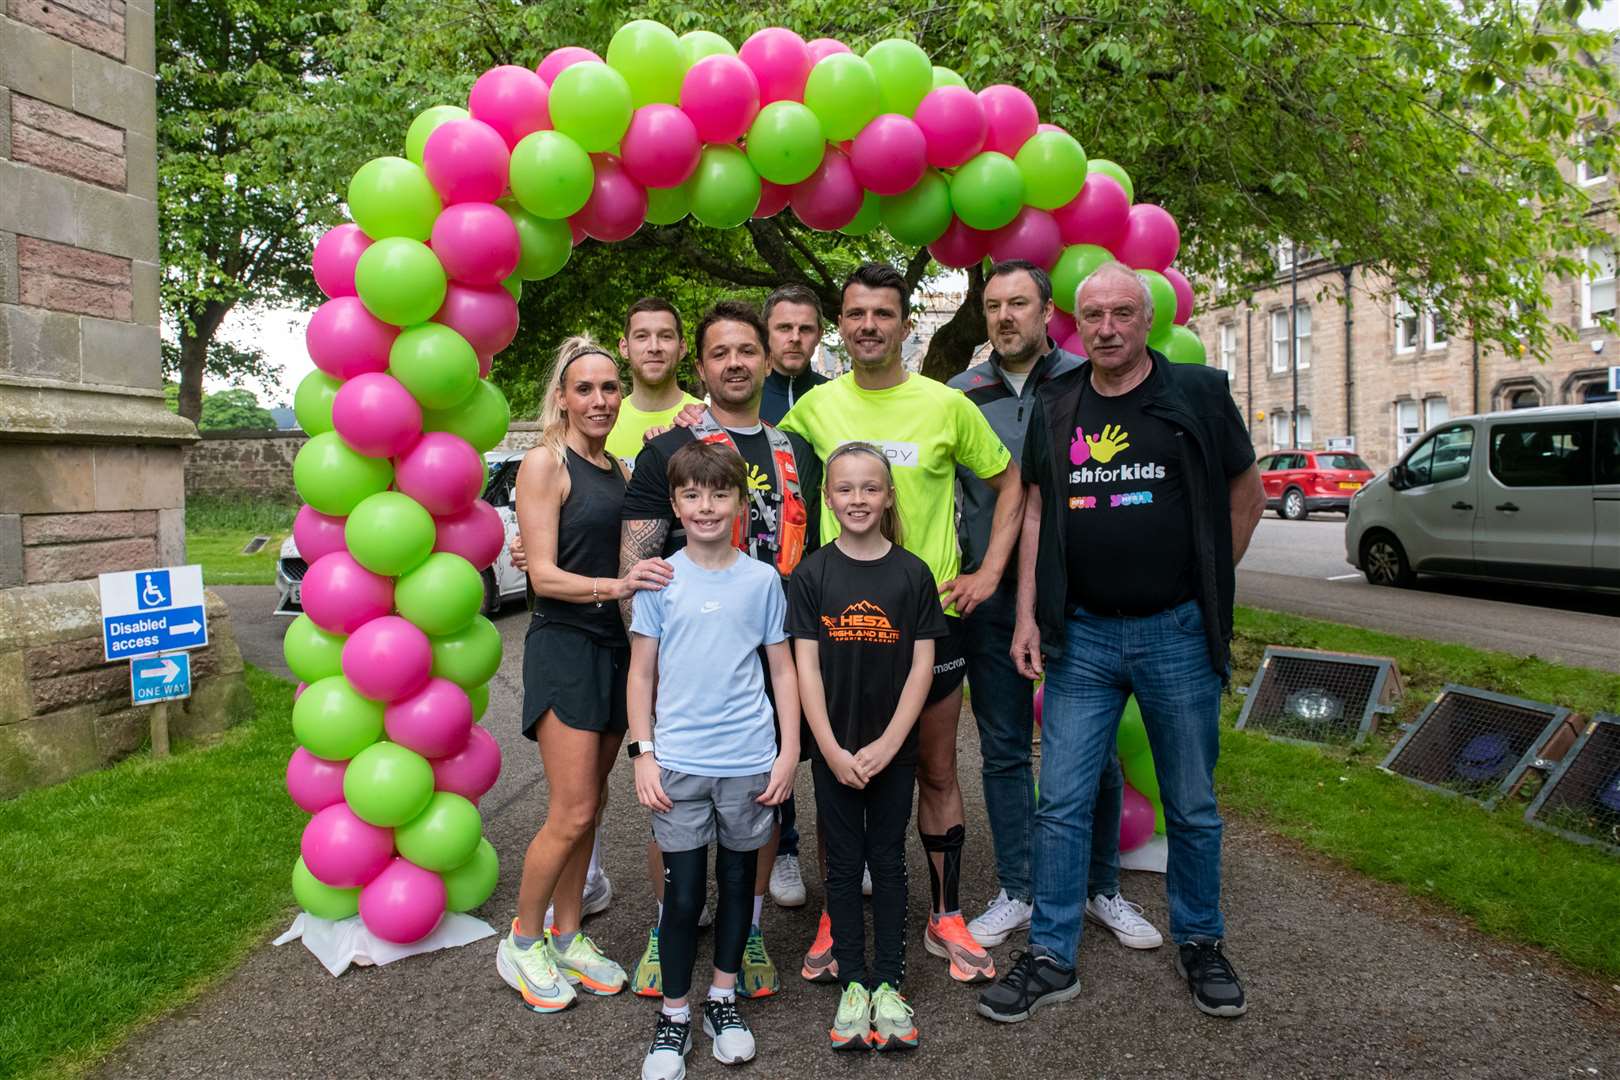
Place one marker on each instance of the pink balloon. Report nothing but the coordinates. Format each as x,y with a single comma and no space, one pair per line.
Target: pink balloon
961,246
1075,345
387,659
1097,215
337,253
1135,820
376,415
477,534
1049,127
1151,238
618,205
780,61
477,243
1010,118
472,770
772,198
486,315
567,56
343,851
341,596
577,230
721,95
952,120
345,340
435,721
1032,235
298,692
404,903
485,362
314,783
466,161
824,47
316,534
513,100
1060,325
831,197
661,149
890,155
1184,294
442,472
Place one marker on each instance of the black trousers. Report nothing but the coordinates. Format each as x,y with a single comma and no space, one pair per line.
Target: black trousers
867,827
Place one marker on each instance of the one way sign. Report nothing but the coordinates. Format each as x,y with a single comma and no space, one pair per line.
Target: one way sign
160,678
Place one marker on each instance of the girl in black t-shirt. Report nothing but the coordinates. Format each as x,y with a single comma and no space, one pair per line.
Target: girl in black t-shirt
864,613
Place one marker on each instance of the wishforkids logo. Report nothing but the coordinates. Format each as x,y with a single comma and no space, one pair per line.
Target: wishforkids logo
862,621
1102,449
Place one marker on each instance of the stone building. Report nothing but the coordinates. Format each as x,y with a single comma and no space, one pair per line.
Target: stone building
90,456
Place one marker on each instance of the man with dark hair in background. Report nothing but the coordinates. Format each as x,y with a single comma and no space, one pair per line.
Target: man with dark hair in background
794,322
653,344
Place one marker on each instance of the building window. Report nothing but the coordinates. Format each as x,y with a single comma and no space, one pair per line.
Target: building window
1406,426
1597,289
1584,175
1436,411
1524,399
1279,342
1406,327
1302,335
1279,430
1285,257
1434,325
1302,427
1226,357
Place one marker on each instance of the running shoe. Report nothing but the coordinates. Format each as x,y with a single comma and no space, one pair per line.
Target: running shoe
1003,918
583,964
598,895
1125,920
706,916
733,1039
648,981
1215,986
758,976
852,1024
533,973
787,882
666,1057
819,965
892,1025
1033,983
947,936
866,881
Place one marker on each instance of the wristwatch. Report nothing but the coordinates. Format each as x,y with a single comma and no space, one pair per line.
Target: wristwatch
636,747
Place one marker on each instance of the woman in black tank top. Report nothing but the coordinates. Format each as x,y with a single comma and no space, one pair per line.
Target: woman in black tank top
569,496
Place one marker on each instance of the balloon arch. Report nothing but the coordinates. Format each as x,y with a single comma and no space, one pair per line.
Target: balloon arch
424,287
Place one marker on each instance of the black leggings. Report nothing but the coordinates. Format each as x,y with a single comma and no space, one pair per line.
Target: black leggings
685,887
867,826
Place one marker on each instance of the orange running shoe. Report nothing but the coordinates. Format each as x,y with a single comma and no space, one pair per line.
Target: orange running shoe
948,937
819,965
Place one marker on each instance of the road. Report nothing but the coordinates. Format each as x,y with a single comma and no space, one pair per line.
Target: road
1299,567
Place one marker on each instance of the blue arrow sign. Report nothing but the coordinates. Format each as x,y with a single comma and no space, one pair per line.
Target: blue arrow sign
160,678
154,632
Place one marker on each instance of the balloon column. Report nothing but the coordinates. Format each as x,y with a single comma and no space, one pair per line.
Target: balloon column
1143,812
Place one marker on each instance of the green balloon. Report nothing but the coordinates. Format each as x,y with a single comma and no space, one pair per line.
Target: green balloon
666,206
312,653
333,478
389,533
1054,169
988,191
436,364
697,44
551,174
652,61
312,402
426,122
1131,740
844,94
944,76
482,419
591,104
867,218
725,188
442,595
468,657
443,836
903,72
1184,347
545,245
390,196
478,695
400,281
332,721
785,144
513,284
920,216
1074,265
471,883
387,785
320,899
1164,307
1108,168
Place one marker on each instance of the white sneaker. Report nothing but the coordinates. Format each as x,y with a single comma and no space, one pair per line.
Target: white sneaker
706,916
866,881
1125,920
666,1057
598,895
1004,917
787,883
733,1039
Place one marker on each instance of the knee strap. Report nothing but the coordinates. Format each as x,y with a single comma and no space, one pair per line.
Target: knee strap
945,888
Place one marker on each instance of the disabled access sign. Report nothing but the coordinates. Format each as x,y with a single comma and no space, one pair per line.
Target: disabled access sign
146,612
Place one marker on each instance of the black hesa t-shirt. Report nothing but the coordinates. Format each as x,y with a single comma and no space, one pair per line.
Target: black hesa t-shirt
865,616
1129,540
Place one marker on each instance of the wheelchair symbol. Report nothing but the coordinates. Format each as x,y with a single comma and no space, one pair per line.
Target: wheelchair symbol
154,590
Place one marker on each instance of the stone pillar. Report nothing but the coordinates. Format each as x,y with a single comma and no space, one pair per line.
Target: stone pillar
90,456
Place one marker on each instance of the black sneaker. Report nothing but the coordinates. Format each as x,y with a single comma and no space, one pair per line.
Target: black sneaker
1214,985
666,1057
1033,982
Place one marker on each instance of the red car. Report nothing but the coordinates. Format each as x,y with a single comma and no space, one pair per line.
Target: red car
1299,481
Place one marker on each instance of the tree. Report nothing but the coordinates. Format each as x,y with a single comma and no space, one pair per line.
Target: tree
236,409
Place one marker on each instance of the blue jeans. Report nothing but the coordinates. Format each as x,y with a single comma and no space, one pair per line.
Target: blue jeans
1163,659
1004,709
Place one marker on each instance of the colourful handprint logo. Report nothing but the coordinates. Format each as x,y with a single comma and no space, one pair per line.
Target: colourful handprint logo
1079,452
1102,447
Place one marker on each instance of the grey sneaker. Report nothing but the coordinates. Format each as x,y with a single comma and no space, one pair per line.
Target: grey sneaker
733,1039
1214,985
666,1057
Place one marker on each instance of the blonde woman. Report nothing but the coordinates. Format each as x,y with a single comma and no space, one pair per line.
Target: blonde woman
575,662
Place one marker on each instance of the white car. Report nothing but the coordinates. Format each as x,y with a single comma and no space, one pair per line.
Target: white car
1529,495
502,582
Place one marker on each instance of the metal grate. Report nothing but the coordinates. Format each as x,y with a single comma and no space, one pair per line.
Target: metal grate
1478,744
1582,798
294,568
1319,697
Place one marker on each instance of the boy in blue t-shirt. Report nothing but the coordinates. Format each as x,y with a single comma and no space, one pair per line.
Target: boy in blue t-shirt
710,771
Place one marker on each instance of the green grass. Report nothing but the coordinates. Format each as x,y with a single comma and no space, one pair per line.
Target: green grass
218,529
1511,880
129,890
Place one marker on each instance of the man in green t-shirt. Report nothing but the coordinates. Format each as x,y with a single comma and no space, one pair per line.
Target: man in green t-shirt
926,430
653,344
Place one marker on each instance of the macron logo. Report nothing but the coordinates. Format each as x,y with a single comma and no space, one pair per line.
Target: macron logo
710,606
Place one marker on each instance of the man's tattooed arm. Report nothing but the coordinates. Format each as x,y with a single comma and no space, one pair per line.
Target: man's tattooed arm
643,539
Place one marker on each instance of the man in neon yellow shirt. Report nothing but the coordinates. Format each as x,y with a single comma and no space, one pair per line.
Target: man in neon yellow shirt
653,344
927,431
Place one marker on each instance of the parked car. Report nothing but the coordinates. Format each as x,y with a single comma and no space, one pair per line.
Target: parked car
1300,481
1531,495
502,582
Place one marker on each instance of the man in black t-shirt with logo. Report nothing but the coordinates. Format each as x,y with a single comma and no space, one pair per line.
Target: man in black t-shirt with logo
1141,496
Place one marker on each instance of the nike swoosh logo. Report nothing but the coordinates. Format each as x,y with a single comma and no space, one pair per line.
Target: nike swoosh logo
710,605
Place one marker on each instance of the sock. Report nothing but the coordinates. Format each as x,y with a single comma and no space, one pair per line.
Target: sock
759,909
723,993
560,942
682,1015
660,921
523,942
944,889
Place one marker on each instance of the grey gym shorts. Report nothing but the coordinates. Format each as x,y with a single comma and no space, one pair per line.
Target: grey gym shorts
707,808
